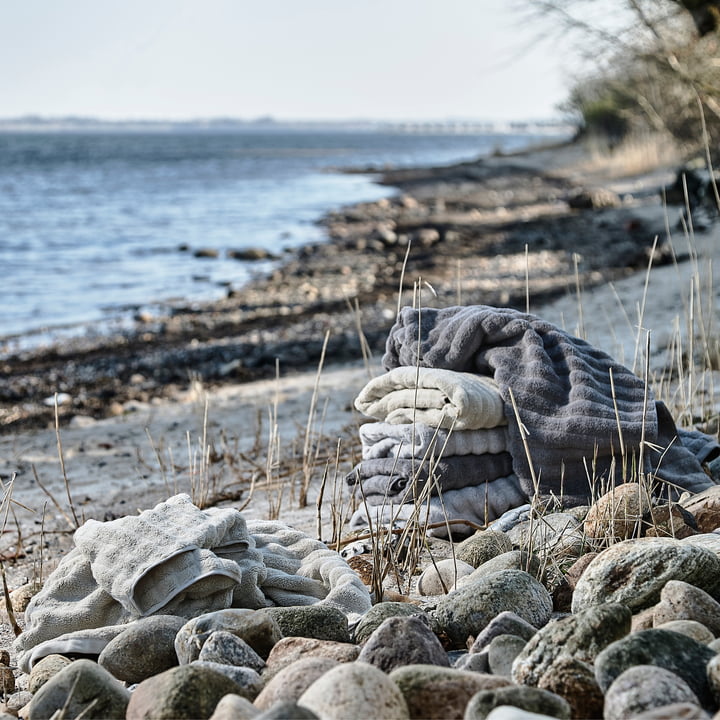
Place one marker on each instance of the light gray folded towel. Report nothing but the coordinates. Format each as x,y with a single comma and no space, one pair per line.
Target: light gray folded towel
387,478
468,503
561,386
441,398
408,440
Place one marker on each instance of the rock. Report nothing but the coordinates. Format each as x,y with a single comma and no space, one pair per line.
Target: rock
502,651
558,535
82,687
403,641
594,199
377,614
187,692
705,508
255,627
247,679
483,546
670,521
477,662
581,636
643,687
288,650
354,690
287,711
690,628
321,622
251,254
146,648
681,601
511,560
433,692
44,669
575,681
618,514
293,680
228,649
468,610
206,253
709,541
659,648
633,572
531,699
674,711
713,676
15,703
442,576
506,623
234,707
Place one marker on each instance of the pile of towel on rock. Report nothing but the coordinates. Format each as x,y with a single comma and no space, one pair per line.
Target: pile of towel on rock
459,383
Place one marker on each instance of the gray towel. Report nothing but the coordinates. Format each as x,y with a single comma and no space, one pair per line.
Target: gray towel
408,440
388,478
469,503
561,385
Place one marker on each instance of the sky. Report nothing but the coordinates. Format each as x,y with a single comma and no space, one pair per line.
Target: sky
395,60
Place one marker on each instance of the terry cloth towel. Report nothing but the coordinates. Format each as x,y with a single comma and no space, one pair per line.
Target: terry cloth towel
441,398
408,440
561,386
200,560
385,479
469,503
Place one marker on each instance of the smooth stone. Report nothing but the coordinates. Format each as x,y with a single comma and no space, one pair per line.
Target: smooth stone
670,521
482,546
675,711
321,622
705,508
287,711
44,669
377,614
15,703
234,707
292,681
288,650
581,636
681,601
633,572
575,681
502,651
355,690
691,628
531,699
644,687
228,649
442,577
506,623
468,610
187,692
660,648
511,560
82,687
247,679
709,541
255,627
477,662
557,535
508,712
436,693
145,648
618,514
713,676
403,641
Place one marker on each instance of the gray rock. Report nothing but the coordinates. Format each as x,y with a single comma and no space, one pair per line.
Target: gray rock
44,669
146,648
710,541
643,687
477,662
675,711
287,711
502,651
377,614
288,650
433,692
403,641
187,692
659,648
531,699
556,534
681,601
442,576
633,572
468,610
247,679
312,621
581,636
234,707
506,623
508,712
292,681
81,687
255,627
691,628
713,676
355,690
482,546
17,701
228,649
575,681
511,560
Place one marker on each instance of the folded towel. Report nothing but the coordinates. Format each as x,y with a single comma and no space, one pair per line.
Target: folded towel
408,440
562,390
384,479
468,503
440,398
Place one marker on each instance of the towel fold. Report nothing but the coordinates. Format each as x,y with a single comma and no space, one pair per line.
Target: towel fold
382,479
440,398
408,440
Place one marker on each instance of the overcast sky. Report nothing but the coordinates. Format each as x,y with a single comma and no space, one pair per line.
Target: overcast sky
292,59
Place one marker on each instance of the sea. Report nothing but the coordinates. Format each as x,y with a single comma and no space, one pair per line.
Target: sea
97,226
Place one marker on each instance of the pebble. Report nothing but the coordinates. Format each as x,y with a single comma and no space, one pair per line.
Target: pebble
526,698
234,707
483,546
288,650
501,653
403,641
557,535
618,514
705,508
321,622
690,628
377,614
674,711
145,649
287,711
247,679
477,662
225,648
44,669
468,610
355,690
575,681
670,521
644,687
441,577
681,601
292,681
511,560
633,572
506,623
508,712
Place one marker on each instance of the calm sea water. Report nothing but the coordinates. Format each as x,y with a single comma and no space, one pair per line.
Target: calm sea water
91,225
